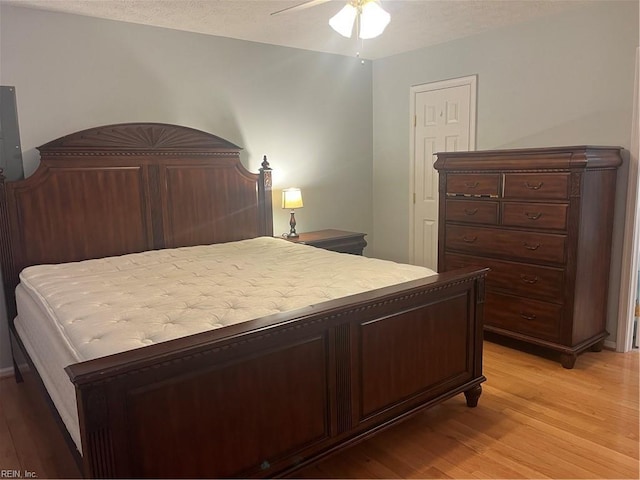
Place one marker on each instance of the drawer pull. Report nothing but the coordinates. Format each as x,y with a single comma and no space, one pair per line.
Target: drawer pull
468,211
471,184
531,247
533,216
537,186
527,316
529,280
469,239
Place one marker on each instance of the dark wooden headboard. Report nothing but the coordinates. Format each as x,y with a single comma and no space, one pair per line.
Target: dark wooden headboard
127,188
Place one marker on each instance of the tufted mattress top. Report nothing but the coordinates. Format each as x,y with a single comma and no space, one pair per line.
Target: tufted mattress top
109,305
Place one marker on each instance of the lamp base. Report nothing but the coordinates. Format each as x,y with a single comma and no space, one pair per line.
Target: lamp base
292,223
291,235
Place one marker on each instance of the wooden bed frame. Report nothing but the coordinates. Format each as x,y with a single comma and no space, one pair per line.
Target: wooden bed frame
259,399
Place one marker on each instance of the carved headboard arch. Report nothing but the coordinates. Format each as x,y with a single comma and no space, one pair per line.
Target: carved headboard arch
153,138
127,188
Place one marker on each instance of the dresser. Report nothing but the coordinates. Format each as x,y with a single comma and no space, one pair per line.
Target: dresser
541,219
334,240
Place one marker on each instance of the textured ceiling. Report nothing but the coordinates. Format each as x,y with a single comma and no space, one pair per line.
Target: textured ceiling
414,23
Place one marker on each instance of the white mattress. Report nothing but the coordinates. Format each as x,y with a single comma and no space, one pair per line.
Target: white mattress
79,311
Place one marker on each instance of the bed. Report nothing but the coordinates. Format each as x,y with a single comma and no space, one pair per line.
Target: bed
291,372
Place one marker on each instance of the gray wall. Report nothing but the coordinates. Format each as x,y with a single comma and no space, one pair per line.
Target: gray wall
562,80
310,113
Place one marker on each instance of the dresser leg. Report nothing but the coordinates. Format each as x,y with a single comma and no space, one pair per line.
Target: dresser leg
597,347
568,360
472,395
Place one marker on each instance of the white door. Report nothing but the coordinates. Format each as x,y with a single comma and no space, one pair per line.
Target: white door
443,116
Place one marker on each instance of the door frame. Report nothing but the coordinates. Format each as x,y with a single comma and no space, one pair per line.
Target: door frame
631,246
629,270
414,90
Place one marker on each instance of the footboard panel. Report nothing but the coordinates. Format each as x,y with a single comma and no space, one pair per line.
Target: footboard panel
415,355
240,417
264,398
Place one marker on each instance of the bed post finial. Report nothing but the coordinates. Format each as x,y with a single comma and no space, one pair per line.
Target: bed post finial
265,164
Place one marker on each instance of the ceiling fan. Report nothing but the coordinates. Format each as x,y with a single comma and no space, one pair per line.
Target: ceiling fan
369,18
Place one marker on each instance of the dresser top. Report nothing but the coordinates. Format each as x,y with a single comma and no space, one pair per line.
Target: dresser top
563,158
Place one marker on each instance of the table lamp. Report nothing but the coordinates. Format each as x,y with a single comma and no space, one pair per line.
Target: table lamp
292,199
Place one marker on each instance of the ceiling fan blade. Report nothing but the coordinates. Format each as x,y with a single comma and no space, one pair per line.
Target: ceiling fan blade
301,6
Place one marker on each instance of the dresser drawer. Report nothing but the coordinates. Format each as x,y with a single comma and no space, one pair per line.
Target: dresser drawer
474,185
528,246
523,315
536,186
545,283
472,211
535,215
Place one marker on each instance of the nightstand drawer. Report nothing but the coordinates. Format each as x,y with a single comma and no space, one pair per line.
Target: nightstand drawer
523,315
473,185
544,283
354,246
536,185
535,215
470,211
528,246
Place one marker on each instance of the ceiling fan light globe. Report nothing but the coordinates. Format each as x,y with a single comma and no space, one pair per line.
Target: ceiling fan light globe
343,21
373,20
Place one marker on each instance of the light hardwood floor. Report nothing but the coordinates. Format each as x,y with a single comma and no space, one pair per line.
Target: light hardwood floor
534,420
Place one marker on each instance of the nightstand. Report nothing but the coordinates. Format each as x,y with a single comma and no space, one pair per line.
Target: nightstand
334,240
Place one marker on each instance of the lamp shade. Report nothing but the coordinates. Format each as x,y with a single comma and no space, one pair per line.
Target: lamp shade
373,20
343,21
291,198
371,17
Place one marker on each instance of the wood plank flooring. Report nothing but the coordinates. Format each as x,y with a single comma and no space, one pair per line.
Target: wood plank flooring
534,420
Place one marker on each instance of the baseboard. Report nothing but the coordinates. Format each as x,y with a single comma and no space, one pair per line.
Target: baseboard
610,345
8,371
